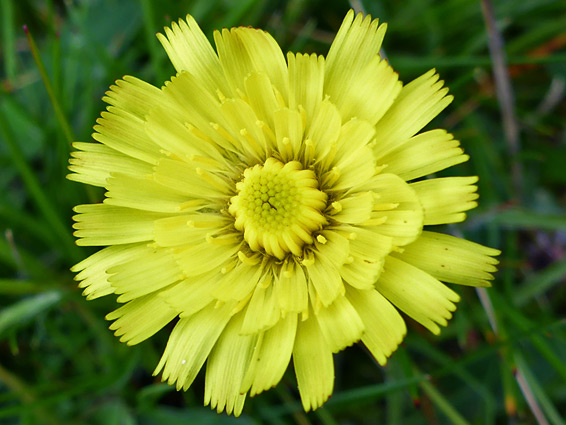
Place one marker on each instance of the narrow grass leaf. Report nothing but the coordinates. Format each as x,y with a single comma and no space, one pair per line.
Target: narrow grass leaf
406,367
20,287
325,417
536,330
47,83
523,218
147,397
18,314
38,194
539,393
458,370
114,412
540,282
443,404
444,62
8,39
201,416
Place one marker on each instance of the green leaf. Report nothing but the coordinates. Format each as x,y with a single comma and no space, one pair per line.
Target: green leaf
199,415
113,413
25,310
18,287
443,404
540,282
148,396
523,218
539,392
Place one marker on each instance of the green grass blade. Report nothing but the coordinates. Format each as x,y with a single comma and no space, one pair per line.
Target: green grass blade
18,314
38,194
538,391
27,397
540,282
325,417
65,126
447,62
536,331
155,51
8,38
22,287
528,219
443,404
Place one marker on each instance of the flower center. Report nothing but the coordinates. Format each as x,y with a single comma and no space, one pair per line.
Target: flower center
278,207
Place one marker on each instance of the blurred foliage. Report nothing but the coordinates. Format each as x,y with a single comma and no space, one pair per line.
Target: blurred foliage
60,365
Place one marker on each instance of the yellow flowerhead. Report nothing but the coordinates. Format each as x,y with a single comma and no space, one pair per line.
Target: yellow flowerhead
270,208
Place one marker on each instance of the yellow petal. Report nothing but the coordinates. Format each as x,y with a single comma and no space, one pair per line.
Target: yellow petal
122,127
242,122
261,97
399,207
263,310
354,209
368,243
314,366
354,135
418,103
417,294
354,160
93,163
239,282
189,50
192,104
173,136
357,42
324,267
384,326
248,50
361,167
452,259
271,356
151,270
203,256
289,133
306,81
291,288
369,94
324,129
142,193
188,229
445,200
368,249
191,180
190,295
100,224
141,318
423,154
226,368
92,271
360,273
124,132
340,324
190,343
134,96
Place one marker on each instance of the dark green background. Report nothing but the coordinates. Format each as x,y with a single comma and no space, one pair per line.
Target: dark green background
60,365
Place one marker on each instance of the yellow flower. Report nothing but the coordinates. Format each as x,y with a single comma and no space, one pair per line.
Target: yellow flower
271,206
